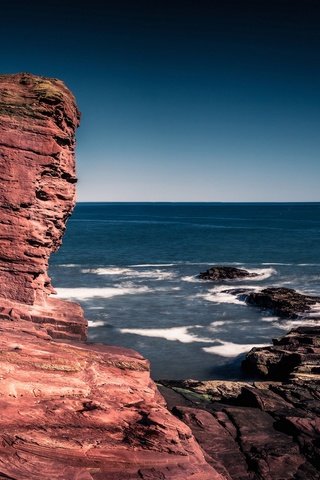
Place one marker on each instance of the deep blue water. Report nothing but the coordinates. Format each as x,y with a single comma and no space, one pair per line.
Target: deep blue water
133,268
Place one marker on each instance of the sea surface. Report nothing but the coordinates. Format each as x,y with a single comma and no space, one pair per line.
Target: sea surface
133,267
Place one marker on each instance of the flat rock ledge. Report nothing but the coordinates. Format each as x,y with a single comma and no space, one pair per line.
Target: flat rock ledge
218,272
265,430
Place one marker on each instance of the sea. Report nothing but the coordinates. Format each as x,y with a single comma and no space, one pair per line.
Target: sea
134,269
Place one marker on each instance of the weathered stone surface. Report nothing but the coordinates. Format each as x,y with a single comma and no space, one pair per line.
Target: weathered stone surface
218,272
284,302
38,118
297,354
76,411
69,411
269,430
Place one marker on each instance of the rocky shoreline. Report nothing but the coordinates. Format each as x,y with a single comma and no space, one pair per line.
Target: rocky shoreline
77,411
267,429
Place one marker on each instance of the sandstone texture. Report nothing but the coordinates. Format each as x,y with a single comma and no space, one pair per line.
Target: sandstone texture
69,410
38,118
218,272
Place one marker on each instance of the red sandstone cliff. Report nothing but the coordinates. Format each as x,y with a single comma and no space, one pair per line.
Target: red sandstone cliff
68,410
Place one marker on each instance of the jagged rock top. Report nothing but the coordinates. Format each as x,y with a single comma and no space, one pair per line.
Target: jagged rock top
38,118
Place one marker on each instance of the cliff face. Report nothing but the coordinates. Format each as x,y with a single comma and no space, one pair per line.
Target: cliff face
69,411
38,118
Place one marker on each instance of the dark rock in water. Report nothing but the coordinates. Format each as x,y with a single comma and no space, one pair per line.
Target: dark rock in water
268,430
225,273
296,355
284,302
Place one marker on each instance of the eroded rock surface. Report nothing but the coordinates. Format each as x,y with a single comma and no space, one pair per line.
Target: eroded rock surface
69,411
218,272
38,118
297,354
284,302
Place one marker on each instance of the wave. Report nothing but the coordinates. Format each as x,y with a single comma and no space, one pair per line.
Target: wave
270,319
276,263
69,265
223,294
180,334
94,324
302,322
107,271
155,274
84,293
263,273
142,265
229,349
191,279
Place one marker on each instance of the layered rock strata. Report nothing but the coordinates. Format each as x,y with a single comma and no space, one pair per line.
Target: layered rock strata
69,411
38,118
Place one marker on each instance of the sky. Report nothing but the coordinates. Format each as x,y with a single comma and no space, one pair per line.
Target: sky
192,100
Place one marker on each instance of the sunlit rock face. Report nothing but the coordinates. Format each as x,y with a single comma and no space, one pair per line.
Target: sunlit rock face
38,118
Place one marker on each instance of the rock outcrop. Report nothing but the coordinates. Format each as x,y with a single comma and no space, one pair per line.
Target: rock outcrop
225,273
297,354
38,118
284,302
69,410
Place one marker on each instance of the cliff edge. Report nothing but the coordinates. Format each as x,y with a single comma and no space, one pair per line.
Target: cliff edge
68,410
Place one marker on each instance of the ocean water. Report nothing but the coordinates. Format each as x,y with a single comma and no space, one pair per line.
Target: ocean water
133,268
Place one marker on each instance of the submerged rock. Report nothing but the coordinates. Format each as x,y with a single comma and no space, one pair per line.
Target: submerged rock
218,272
284,302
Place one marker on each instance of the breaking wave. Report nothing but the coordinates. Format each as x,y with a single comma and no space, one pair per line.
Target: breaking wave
180,334
84,293
229,349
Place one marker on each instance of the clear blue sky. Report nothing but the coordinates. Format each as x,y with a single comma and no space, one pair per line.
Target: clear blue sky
182,100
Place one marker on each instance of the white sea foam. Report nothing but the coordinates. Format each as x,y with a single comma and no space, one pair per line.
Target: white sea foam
107,271
191,279
94,324
314,311
219,323
220,295
154,265
181,334
270,319
229,349
276,263
68,265
223,294
308,264
289,324
83,293
263,273
156,274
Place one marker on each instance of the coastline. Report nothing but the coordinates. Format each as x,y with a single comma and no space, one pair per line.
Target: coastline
75,410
